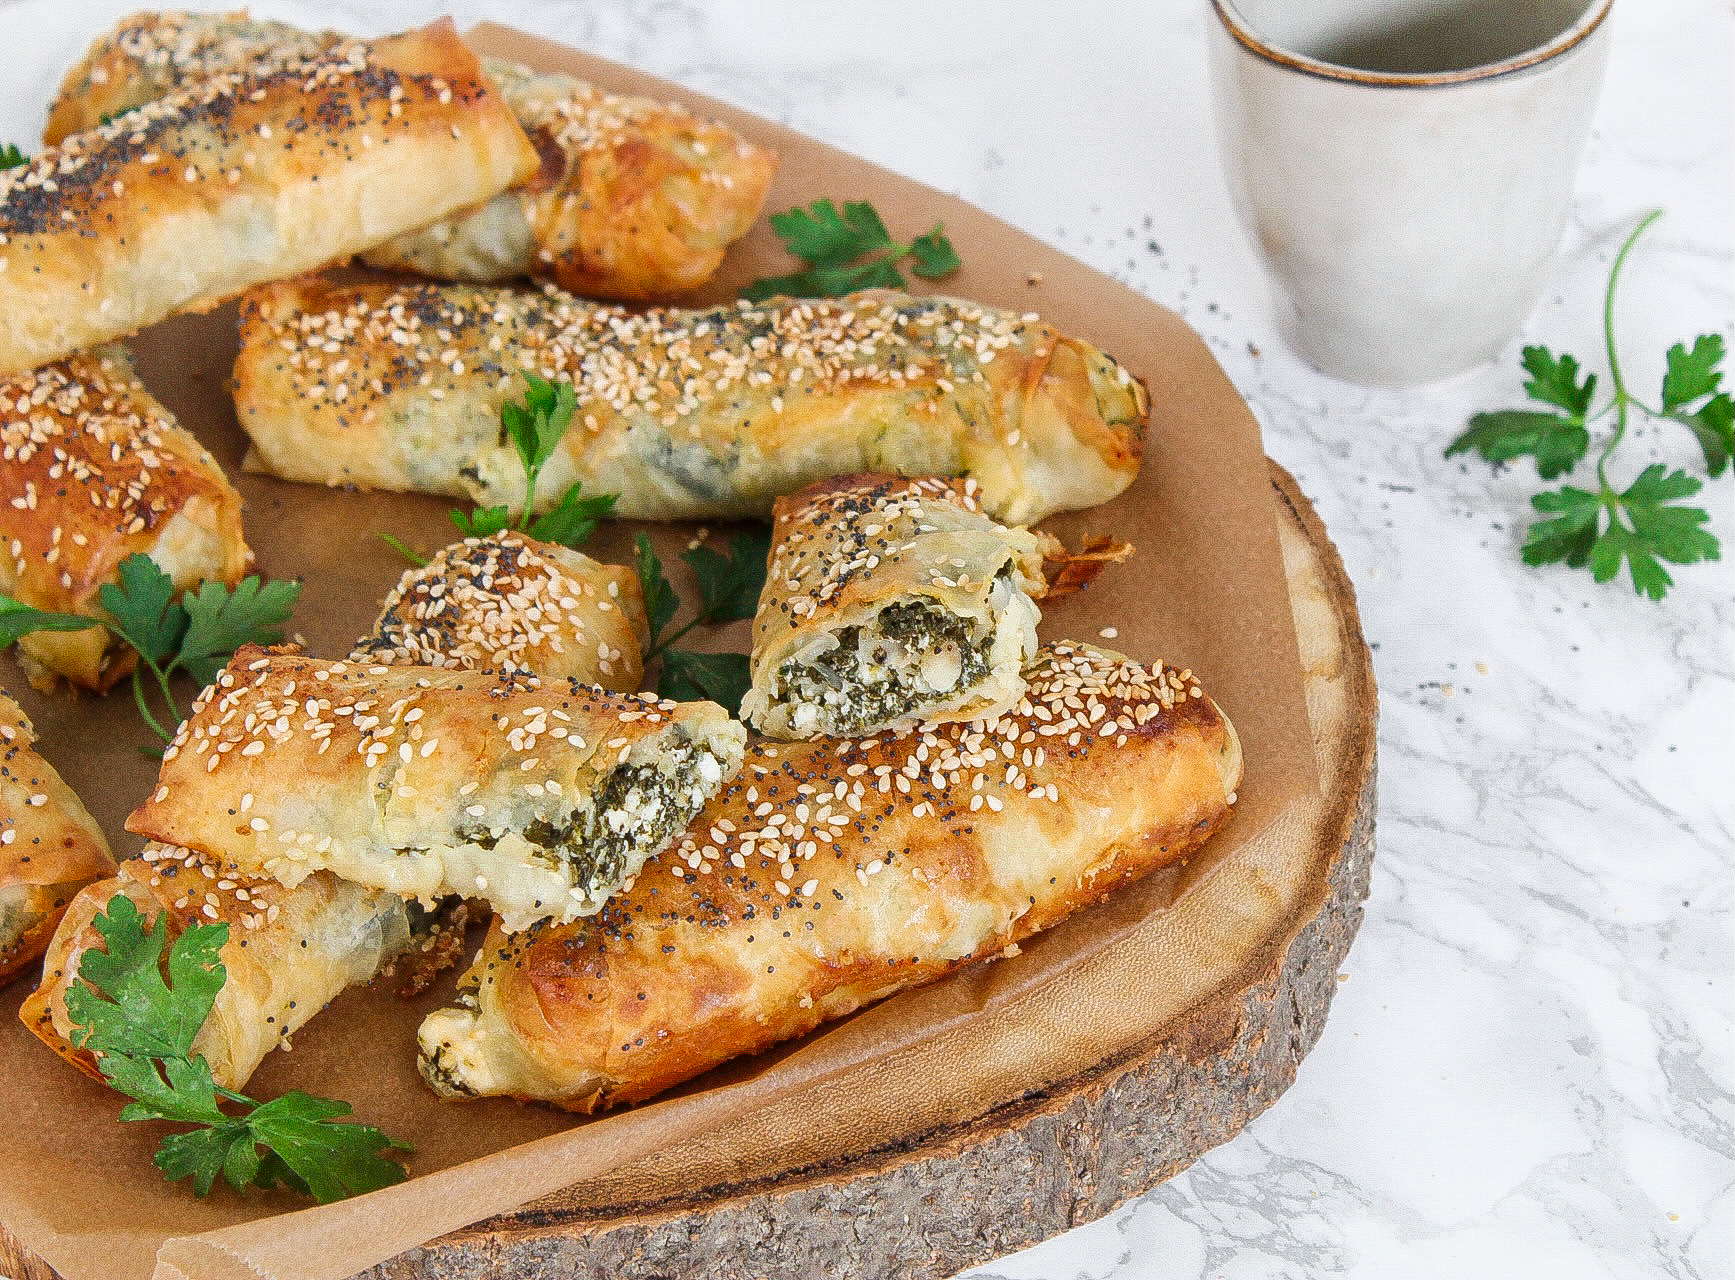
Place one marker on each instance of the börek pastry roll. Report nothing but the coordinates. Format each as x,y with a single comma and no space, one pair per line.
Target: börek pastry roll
241,178
94,470
832,873
49,845
889,602
684,414
538,797
508,602
635,199
491,603
289,951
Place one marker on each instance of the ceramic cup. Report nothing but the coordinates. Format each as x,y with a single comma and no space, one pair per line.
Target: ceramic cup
1404,166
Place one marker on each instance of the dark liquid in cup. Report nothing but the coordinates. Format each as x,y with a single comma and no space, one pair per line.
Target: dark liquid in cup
1452,37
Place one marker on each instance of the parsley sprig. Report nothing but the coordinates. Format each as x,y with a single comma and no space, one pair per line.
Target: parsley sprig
535,429
11,157
196,633
1646,523
849,250
729,587
140,1026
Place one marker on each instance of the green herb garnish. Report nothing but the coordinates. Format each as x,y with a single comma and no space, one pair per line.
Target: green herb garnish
848,251
11,157
534,429
139,1017
197,633
729,587
1644,524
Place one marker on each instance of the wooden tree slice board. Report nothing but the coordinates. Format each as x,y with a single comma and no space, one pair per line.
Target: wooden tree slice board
1037,1165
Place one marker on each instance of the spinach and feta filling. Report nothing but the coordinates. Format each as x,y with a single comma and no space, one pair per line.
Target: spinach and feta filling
599,845
913,655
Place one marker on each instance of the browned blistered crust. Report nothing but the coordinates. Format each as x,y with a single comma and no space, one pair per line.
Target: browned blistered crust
684,413
49,844
831,873
93,470
507,602
244,177
634,199
152,54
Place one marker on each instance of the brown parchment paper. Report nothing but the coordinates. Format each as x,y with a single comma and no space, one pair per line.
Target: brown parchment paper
1205,589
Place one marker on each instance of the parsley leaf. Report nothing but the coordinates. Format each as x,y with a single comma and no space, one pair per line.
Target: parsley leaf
729,588
535,429
1571,534
196,633
1588,529
18,620
661,602
824,237
1694,375
146,614
481,522
1557,443
1555,381
141,1027
333,1161
141,1014
11,157
571,521
934,255
221,619
848,250
1646,525
723,678
730,585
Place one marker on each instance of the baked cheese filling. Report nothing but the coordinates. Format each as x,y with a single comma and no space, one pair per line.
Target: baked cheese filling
601,843
914,657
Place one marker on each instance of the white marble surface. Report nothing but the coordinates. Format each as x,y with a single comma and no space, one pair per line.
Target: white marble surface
1528,1068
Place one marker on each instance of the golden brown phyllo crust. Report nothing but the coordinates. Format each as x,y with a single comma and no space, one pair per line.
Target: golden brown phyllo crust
94,470
49,844
832,873
634,198
889,602
538,797
508,602
241,178
683,413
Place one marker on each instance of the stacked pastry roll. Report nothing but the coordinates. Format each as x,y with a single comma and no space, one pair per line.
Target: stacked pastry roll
632,199
683,413
502,602
94,470
194,197
510,603
49,845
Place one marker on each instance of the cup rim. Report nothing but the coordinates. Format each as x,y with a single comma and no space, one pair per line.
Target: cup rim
1243,33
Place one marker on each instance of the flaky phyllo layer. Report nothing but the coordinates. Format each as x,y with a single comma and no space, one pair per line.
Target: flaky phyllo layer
538,797
889,602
